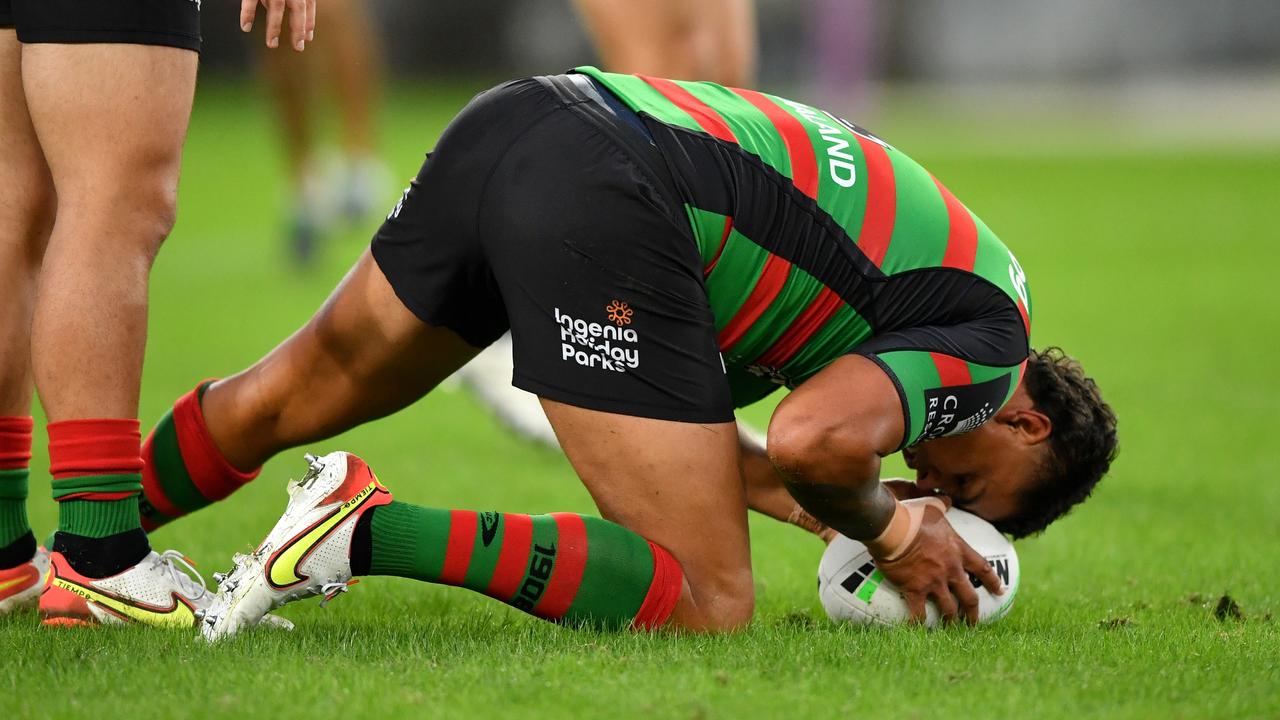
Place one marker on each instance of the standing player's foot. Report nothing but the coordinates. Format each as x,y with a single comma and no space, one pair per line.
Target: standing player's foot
307,553
153,592
20,586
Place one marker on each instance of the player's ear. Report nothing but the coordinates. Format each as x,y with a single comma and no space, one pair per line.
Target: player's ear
1031,425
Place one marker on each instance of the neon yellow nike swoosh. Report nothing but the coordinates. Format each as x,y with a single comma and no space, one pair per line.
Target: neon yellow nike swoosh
179,616
282,568
10,583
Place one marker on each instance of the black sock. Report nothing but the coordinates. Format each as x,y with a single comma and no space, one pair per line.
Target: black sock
362,544
17,552
102,557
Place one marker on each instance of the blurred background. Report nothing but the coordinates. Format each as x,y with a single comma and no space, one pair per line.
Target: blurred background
1169,64
936,77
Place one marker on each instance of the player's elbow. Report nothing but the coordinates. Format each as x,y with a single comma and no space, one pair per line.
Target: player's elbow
808,447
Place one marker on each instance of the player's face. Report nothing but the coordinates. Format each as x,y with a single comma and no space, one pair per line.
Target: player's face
985,471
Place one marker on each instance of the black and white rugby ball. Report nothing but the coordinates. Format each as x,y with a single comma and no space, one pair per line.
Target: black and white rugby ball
852,589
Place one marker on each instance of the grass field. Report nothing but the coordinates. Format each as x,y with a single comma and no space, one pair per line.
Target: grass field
1155,267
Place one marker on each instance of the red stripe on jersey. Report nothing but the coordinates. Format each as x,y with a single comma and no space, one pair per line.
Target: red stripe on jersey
804,166
1026,318
809,322
882,202
457,554
962,237
724,239
952,371
772,278
704,114
513,559
571,561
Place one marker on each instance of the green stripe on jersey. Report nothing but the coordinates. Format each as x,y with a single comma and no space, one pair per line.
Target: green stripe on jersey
795,297
642,97
996,263
833,145
921,225
752,129
708,229
734,276
840,335
918,371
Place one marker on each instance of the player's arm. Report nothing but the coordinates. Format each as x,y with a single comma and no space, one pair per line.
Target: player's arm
766,493
826,439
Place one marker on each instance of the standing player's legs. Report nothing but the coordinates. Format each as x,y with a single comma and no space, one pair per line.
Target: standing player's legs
26,214
111,120
349,65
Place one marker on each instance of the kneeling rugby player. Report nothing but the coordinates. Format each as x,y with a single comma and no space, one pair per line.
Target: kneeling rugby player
662,252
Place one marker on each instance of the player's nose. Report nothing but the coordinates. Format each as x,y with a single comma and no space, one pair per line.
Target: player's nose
928,481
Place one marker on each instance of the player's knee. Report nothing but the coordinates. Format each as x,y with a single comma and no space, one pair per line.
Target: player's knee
135,217
728,608
154,212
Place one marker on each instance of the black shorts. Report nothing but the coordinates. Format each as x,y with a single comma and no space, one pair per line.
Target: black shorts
541,213
170,23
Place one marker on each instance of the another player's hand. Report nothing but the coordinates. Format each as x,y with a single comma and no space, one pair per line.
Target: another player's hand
930,564
302,20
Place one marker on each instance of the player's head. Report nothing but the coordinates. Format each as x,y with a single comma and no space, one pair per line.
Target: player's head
1035,459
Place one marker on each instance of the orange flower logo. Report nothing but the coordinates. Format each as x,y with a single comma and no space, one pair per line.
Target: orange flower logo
619,312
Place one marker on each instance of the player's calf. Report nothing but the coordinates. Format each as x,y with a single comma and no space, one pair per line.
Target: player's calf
183,469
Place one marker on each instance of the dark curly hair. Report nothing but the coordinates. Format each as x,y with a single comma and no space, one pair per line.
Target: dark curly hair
1081,445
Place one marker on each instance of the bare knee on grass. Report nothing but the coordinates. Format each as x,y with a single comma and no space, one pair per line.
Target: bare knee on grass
678,485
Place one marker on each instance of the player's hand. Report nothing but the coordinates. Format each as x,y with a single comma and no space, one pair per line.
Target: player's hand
302,20
930,564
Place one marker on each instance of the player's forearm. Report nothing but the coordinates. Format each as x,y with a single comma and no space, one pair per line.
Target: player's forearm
767,495
860,511
836,482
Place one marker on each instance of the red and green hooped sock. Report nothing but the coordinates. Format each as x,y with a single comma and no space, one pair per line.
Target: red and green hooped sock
96,467
562,567
15,455
183,470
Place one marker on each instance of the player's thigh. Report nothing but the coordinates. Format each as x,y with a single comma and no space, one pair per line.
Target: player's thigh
111,118
363,355
678,485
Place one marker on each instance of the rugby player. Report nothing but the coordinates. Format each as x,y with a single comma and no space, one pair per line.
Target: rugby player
94,103
662,252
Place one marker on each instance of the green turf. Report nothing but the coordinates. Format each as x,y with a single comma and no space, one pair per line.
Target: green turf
1155,268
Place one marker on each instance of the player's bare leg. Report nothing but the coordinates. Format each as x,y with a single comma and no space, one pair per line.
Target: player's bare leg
111,120
26,214
639,471
362,356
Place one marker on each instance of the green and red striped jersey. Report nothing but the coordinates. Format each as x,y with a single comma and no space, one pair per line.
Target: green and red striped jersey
800,218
